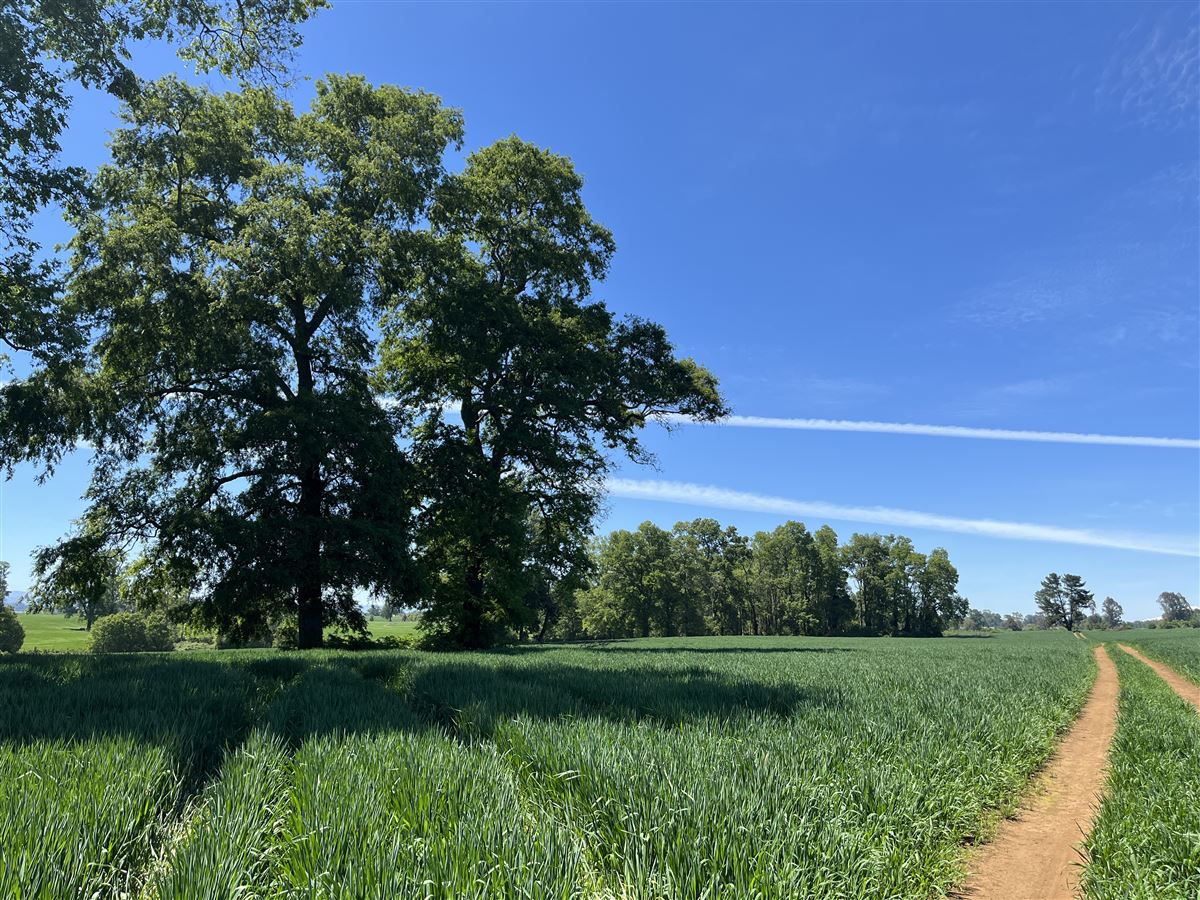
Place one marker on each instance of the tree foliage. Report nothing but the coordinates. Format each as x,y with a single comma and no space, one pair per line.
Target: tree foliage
1175,607
500,323
12,633
701,578
79,576
1063,600
1112,612
250,283
128,632
230,269
46,46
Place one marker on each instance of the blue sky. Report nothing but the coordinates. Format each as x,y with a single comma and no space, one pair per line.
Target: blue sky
966,215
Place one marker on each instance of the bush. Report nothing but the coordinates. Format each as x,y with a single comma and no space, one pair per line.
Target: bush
287,634
12,635
127,632
160,633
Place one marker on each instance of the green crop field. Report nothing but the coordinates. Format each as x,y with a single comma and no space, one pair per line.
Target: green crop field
711,767
1179,648
1146,841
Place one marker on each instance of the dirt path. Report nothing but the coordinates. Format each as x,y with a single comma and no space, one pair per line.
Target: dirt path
1184,688
1036,855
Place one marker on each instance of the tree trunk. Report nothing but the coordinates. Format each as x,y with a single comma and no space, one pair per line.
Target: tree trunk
309,601
472,633
311,621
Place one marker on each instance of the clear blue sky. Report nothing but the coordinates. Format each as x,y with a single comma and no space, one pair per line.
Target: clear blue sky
958,214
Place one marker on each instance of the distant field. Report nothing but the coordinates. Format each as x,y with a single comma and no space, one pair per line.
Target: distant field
1179,648
47,631
681,768
382,628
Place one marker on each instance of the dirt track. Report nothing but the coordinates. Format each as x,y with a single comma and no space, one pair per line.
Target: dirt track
1184,688
1036,855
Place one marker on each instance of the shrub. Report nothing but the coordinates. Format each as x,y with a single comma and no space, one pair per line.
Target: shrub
12,635
127,632
287,634
160,633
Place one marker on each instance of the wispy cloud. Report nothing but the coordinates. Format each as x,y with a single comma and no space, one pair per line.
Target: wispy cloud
720,498
954,431
1032,299
1154,75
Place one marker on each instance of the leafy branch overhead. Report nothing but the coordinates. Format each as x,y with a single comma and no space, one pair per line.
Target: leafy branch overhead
49,46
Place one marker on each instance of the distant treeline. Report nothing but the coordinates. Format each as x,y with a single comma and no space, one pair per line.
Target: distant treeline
701,578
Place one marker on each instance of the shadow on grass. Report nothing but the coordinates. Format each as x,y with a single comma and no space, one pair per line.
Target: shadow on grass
969,637
619,647
198,708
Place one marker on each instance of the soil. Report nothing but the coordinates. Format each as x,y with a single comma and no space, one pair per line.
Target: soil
1038,853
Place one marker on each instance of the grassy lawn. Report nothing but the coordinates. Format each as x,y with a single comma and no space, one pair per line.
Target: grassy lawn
382,628
48,631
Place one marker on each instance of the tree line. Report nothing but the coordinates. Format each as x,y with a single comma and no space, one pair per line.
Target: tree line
310,360
1064,601
701,578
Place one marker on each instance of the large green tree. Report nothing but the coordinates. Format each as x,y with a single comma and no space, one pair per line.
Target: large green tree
713,565
900,591
788,582
46,47
939,605
1175,607
1113,613
543,379
1064,600
230,272
638,591
79,576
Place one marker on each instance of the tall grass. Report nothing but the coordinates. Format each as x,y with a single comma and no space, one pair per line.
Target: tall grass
1179,648
684,769
1146,840
77,818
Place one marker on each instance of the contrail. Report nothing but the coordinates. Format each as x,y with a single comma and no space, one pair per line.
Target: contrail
710,496
954,431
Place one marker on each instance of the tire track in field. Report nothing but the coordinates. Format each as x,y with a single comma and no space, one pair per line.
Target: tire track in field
1184,688
1036,855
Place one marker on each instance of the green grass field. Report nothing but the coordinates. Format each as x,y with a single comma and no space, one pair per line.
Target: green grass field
705,768
1146,841
382,628
51,632
662,768
47,631
1179,648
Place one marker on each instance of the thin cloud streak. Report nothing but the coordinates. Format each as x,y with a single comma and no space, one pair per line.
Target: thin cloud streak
710,496
954,431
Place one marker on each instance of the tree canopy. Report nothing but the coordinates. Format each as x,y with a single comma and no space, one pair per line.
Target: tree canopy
48,45
500,324
230,268
700,578
275,311
1063,600
1175,607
